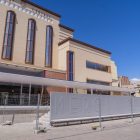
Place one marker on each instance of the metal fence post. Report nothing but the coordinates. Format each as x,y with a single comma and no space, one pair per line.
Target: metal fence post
132,110
37,112
4,109
13,118
100,112
21,94
29,94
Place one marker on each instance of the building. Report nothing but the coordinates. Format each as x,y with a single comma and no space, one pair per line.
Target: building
114,74
34,43
123,80
135,85
114,78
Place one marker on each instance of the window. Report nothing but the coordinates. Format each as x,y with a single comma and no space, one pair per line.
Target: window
8,37
30,41
98,82
70,69
96,66
98,91
48,60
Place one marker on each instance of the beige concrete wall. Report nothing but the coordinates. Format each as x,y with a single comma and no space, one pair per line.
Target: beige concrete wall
20,36
64,33
81,54
63,56
114,74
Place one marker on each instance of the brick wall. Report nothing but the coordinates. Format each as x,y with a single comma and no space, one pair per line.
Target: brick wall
54,75
125,81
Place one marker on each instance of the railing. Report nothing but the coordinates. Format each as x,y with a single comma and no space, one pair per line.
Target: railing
26,108
24,100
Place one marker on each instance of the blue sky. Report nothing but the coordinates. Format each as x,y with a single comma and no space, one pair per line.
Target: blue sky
113,25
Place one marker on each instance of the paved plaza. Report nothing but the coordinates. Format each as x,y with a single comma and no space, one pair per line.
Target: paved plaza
113,130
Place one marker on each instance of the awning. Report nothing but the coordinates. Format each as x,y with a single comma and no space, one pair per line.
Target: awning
23,79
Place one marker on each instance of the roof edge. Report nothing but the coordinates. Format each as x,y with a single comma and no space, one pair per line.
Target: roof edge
42,8
80,42
60,25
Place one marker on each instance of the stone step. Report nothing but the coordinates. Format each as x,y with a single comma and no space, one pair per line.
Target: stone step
41,119
43,122
45,116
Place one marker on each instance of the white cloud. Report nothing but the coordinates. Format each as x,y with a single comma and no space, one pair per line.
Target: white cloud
134,80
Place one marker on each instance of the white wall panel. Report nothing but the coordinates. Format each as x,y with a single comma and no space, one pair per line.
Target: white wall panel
65,106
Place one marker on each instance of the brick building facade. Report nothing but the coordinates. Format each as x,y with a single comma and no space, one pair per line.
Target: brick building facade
54,75
123,80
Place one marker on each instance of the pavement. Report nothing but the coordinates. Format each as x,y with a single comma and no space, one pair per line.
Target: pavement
113,130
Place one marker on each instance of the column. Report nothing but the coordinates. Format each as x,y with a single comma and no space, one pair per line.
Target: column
91,90
29,94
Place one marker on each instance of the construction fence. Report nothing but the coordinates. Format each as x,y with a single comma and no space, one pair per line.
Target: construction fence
24,109
69,108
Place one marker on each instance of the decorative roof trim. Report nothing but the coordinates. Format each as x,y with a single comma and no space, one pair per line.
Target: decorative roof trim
85,44
42,8
65,27
25,11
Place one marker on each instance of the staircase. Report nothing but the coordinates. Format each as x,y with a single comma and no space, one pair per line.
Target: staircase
44,119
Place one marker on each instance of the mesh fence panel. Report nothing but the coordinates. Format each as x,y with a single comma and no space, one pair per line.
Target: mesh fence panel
21,115
25,100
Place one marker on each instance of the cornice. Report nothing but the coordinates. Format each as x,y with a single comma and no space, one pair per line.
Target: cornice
42,8
65,27
7,3
82,43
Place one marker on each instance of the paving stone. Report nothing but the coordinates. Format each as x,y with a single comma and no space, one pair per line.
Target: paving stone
114,130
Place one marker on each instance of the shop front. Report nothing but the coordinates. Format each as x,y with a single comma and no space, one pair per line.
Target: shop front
17,94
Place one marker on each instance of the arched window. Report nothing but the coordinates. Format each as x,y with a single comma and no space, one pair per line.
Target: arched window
48,59
8,37
30,41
